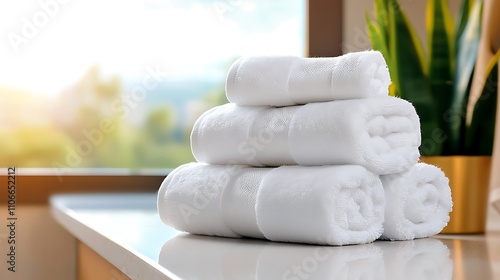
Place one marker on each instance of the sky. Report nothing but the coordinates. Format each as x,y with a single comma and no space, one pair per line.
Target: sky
47,45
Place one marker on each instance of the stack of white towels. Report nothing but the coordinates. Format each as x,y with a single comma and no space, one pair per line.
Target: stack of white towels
310,150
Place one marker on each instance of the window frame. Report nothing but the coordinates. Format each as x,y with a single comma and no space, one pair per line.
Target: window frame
324,39
324,28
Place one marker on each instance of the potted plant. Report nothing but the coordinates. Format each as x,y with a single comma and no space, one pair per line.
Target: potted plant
457,126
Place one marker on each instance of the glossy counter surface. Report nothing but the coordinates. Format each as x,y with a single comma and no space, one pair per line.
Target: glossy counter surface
126,230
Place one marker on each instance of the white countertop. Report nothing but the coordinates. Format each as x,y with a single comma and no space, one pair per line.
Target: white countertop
126,230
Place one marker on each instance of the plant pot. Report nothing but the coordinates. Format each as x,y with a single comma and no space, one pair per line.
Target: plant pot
469,182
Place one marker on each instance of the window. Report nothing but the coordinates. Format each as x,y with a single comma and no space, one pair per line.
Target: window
120,83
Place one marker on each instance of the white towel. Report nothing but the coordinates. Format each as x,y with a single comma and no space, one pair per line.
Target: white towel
287,80
382,134
418,203
190,198
332,205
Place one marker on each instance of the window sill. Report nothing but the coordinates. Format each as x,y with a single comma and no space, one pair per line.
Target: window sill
36,185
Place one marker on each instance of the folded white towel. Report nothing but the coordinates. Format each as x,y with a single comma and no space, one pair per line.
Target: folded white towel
382,134
333,205
287,80
418,203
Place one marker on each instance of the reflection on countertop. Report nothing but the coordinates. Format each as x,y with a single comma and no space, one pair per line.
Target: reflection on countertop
200,257
131,222
474,256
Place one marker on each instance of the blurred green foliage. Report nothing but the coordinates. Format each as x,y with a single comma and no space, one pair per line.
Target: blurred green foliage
88,126
438,81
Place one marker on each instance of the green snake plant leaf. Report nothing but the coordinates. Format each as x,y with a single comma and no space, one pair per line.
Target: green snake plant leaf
467,49
480,133
381,10
381,17
440,54
377,30
409,76
462,18
378,43
378,40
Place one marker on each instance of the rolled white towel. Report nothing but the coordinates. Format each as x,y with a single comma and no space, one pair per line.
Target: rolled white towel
418,203
332,205
329,205
190,198
288,80
382,134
